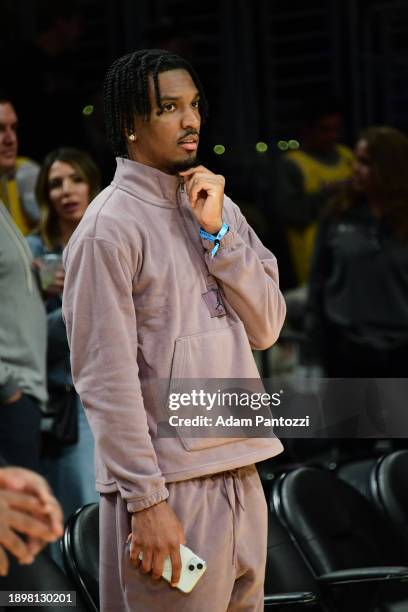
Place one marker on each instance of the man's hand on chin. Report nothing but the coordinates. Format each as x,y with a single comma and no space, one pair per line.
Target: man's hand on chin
206,194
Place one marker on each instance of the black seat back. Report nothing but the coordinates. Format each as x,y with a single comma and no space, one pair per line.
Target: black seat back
333,524
42,575
286,570
391,490
81,552
359,474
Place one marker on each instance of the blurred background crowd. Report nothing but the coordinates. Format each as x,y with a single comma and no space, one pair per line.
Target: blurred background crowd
307,122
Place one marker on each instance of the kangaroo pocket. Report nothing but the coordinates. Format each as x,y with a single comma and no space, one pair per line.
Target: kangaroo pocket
205,368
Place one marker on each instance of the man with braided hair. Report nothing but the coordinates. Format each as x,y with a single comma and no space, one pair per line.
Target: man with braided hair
165,279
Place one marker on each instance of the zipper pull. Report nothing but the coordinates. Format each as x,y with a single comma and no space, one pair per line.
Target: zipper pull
182,189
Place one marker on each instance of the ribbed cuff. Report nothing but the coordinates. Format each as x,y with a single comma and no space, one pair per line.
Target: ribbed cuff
148,501
10,388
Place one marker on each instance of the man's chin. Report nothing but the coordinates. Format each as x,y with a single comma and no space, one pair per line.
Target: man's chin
184,164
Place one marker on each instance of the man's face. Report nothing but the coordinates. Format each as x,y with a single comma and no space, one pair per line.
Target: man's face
325,134
8,138
169,141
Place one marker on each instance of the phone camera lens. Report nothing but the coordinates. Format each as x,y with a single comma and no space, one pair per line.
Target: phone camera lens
200,566
191,567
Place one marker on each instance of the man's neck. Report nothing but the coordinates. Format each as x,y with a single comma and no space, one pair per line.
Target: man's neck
136,156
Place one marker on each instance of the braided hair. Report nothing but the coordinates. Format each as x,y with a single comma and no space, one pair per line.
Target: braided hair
126,91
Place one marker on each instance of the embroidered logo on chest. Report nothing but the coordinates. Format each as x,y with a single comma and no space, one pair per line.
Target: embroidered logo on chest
214,302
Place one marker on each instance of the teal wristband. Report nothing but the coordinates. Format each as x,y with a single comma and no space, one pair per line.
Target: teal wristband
216,239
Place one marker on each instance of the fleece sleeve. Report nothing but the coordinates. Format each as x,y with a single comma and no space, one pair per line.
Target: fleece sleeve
248,275
102,332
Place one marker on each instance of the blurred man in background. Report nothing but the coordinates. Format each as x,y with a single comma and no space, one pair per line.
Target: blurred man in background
18,175
23,338
307,178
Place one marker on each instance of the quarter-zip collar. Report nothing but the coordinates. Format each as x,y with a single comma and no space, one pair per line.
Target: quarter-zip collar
149,184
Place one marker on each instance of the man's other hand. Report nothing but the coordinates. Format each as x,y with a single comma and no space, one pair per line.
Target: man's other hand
157,533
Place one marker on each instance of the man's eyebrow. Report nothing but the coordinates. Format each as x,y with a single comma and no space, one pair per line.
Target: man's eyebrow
175,98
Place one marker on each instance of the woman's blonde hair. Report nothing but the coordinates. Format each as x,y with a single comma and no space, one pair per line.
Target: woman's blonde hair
86,168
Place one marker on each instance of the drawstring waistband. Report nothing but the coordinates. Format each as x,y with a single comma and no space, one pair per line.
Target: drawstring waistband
237,486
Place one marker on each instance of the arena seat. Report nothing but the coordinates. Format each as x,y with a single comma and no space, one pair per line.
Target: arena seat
352,550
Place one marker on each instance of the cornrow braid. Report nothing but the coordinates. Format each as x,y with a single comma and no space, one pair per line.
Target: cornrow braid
126,91
110,87
156,83
143,86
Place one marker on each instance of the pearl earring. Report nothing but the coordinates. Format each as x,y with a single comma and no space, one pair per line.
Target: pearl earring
132,137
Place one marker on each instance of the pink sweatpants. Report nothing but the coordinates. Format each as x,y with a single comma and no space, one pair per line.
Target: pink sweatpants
225,522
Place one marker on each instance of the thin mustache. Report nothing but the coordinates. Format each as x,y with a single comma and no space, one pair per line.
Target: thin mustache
190,133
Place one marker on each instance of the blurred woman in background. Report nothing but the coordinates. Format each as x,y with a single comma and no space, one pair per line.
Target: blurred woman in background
358,295
67,182
357,320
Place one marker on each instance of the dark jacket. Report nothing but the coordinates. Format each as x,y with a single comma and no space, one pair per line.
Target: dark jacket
359,282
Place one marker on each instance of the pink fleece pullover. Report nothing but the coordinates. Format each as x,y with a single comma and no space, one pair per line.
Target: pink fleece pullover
136,273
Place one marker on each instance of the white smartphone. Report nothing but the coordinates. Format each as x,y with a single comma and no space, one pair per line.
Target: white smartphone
192,568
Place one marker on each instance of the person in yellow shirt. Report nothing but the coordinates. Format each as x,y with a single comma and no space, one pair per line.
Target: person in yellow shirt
18,175
308,177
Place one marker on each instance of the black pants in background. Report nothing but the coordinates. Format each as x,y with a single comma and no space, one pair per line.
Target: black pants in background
20,432
349,360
